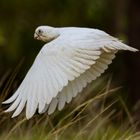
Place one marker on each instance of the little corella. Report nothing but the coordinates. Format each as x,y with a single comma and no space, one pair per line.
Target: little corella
71,58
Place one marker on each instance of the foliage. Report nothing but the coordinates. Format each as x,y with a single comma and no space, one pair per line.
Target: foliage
101,116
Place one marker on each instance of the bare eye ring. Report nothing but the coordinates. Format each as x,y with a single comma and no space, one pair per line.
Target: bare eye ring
39,31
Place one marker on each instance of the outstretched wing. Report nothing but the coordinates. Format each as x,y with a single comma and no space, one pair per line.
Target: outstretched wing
61,70
54,66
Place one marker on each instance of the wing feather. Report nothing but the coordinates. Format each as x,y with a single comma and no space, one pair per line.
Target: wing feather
20,107
45,109
14,105
32,102
62,99
14,96
53,105
41,99
68,93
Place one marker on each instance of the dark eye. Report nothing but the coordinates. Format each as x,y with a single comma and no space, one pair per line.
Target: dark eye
39,31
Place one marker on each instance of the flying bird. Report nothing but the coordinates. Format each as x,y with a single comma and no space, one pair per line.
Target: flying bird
71,58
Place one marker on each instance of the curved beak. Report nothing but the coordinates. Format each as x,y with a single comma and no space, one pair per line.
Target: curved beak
36,36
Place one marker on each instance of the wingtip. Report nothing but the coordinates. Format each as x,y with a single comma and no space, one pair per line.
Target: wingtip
132,49
7,110
49,113
29,116
6,102
13,116
135,50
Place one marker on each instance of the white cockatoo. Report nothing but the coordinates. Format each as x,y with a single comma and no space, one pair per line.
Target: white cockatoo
71,58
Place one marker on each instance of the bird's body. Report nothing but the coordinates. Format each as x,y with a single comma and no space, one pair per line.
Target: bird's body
72,58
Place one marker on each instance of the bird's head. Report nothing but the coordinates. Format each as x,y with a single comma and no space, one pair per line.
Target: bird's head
46,33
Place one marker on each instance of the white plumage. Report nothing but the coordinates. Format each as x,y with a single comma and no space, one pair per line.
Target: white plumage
72,58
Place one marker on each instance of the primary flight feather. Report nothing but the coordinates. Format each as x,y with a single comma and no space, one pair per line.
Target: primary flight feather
71,58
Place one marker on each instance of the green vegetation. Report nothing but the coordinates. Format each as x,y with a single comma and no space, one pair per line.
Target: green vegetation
102,116
101,111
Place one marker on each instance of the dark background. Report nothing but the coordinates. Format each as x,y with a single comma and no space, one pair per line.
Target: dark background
120,18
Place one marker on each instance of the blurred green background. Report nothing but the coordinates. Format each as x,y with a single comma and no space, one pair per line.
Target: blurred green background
120,18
